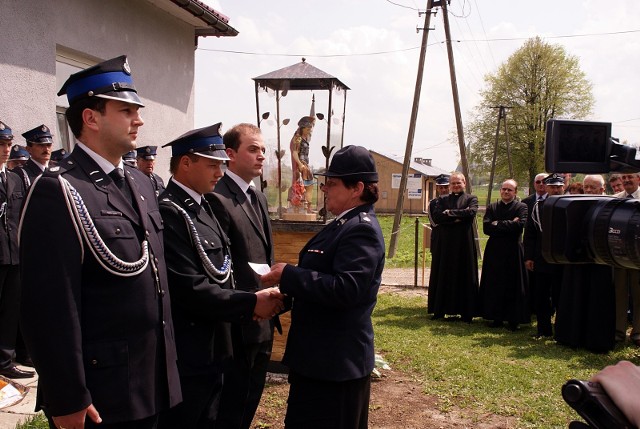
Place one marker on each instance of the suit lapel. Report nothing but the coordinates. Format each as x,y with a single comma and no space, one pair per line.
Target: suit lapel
196,209
243,201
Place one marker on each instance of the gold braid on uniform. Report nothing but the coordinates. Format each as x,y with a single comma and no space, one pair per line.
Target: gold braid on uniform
220,275
85,227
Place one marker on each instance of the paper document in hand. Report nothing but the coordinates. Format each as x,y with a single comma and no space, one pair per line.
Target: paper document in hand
261,269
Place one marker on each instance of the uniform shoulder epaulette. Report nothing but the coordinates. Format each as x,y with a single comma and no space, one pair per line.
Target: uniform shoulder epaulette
364,217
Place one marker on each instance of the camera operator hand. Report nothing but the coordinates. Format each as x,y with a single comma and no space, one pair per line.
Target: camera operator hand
622,383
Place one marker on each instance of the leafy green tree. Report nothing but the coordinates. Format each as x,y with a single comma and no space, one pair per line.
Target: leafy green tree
538,82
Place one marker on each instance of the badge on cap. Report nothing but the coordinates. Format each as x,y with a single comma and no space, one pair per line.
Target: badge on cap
16,148
2,127
44,129
125,67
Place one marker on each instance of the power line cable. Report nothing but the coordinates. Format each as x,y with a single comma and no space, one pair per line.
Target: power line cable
499,39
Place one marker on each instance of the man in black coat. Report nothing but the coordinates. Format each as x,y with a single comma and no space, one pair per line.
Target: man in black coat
12,195
548,277
455,273
99,331
199,264
539,195
146,162
503,288
242,212
39,142
442,188
334,288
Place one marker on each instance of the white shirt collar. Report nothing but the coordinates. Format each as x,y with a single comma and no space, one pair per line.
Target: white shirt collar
40,166
105,165
193,194
244,186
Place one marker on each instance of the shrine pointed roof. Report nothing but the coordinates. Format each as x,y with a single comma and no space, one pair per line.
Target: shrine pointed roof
300,76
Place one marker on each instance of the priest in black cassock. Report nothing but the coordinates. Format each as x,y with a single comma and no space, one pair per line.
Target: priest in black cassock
503,287
453,282
585,316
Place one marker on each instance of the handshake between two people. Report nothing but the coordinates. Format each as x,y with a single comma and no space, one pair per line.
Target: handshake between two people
270,301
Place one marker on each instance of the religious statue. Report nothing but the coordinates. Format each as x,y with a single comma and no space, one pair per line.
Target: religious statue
301,190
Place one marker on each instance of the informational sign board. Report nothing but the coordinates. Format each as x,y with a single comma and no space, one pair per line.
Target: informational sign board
414,184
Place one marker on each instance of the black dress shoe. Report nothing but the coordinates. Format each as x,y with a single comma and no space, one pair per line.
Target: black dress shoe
437,316
496,324
15,372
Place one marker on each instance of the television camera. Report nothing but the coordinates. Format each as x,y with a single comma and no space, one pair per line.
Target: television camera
590,229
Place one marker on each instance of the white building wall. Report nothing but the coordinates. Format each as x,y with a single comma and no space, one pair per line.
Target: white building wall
159,46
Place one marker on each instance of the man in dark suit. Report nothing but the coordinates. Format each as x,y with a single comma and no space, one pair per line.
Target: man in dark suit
12,195
99,331
540,192
199,264
334,288
548,277
242,212
146,162
39,142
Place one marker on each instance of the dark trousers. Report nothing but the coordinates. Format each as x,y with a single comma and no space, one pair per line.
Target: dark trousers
544,308
199,406
320,404
148,423
243,385
9,312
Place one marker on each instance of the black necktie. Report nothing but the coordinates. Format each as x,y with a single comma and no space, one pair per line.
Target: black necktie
256,205
117,175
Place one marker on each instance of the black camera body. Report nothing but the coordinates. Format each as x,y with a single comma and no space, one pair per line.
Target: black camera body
593,404
589,228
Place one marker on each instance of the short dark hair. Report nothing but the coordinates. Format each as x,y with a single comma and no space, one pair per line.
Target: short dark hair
370,193
231,138
74,112
175,160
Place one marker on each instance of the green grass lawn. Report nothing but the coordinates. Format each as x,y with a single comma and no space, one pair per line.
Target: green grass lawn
482,369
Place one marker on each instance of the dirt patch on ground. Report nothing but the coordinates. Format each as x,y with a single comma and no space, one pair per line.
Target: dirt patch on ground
397,400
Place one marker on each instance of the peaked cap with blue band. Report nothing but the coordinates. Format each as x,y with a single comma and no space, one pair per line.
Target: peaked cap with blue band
5,132
205,142
19,153
39,135
109,79
147,152
59,155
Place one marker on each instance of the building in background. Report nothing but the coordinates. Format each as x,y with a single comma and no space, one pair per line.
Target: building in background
421,185
43,42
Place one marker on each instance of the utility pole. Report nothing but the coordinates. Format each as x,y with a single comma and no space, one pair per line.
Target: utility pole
410,136
456,98
502,114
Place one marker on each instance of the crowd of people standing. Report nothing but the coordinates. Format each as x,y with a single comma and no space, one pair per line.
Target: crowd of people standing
585,305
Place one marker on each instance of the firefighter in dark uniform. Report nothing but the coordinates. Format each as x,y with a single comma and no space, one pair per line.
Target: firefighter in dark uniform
12,195
57,156
199,266
39,141
99,331
442,188
19,156
334,287
146,161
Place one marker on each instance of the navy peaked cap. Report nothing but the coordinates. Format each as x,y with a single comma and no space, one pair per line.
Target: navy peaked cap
109,79
5,132
19,153
39,135
147,152
442,180
206,141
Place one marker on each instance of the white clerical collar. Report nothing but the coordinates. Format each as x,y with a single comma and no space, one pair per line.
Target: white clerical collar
239,181
105,165
193,194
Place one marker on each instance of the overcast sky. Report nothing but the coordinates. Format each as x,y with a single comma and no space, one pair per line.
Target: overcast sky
372,46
